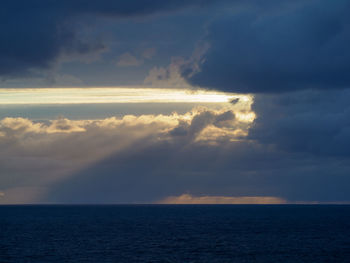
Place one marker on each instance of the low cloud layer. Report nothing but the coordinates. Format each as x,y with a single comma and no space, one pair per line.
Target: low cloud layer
189,199
35,155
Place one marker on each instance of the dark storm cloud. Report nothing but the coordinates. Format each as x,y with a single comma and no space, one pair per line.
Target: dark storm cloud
305,121
35,33
266,49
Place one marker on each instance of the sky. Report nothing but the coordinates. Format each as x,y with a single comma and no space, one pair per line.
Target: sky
174,102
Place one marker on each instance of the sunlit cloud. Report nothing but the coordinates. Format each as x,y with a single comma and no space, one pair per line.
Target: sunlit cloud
215,135
68,146
190,199
246,116
200,123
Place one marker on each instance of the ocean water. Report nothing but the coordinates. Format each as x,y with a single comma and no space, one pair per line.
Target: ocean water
175,233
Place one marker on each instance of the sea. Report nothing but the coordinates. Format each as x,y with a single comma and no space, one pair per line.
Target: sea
175,233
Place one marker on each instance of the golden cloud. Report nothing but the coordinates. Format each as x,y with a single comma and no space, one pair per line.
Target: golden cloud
189,199
49,151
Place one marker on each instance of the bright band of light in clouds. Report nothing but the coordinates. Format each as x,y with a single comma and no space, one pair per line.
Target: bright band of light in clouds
113,95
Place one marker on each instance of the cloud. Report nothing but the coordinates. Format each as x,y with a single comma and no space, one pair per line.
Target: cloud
168,77
190,123
214,153
148,53
277,48
37,35
153,170
22,125
172,75
39,154
306,121
189,199
19,124
128,60
211,126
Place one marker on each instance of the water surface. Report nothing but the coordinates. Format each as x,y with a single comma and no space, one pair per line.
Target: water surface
175,233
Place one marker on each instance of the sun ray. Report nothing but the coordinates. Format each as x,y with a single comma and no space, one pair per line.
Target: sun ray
113,95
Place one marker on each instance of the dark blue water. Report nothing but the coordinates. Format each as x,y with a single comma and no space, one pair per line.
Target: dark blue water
221,233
